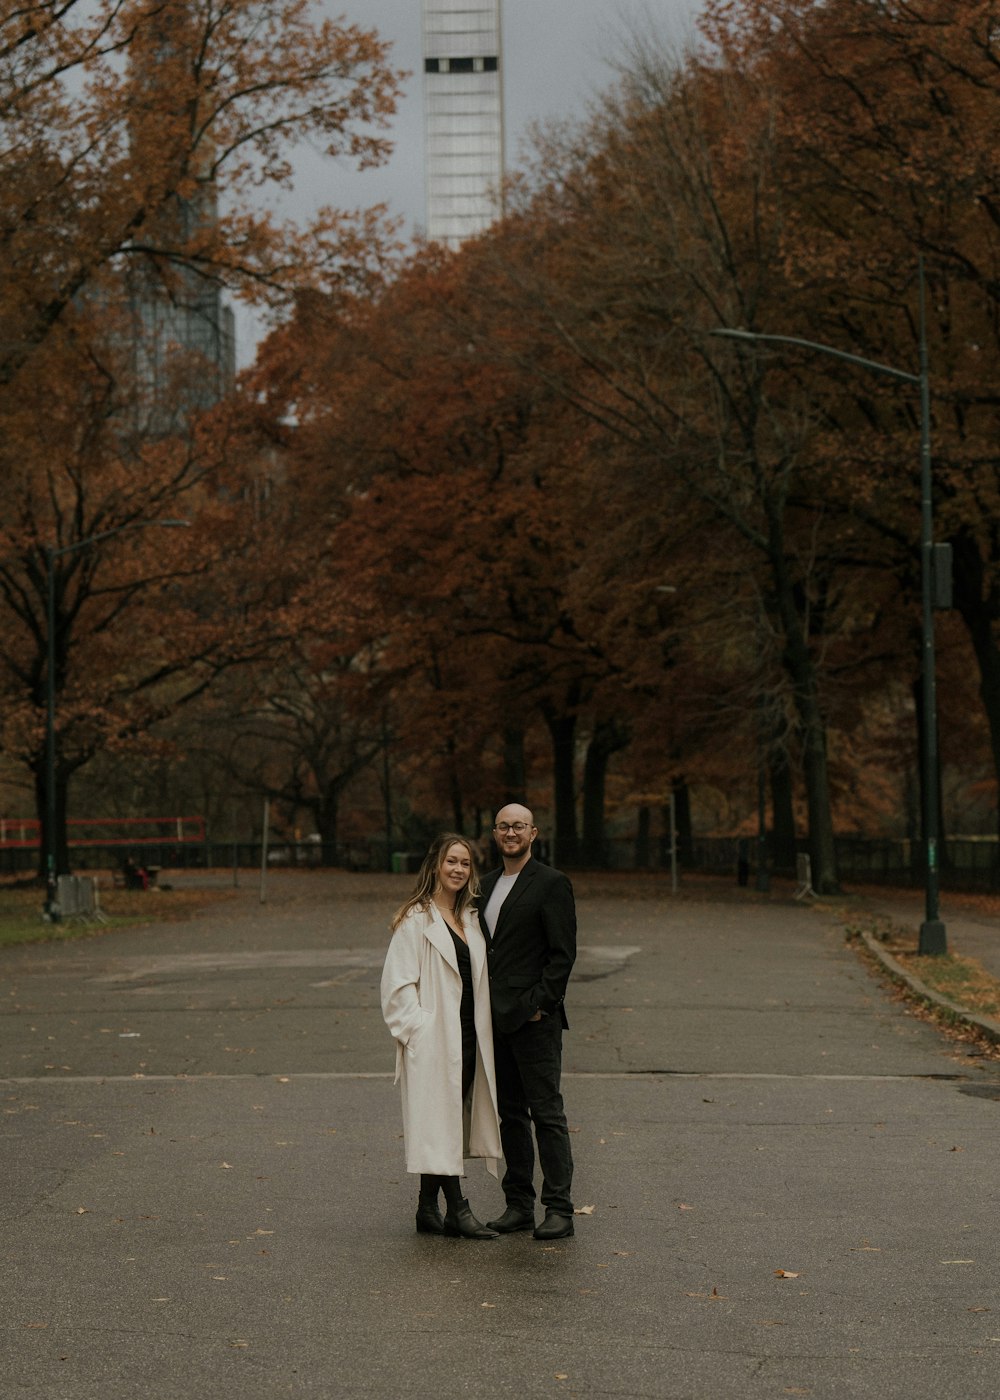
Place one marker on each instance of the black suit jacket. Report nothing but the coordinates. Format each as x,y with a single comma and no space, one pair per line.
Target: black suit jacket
532,952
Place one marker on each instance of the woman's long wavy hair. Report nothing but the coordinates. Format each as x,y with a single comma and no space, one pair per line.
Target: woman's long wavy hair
427,879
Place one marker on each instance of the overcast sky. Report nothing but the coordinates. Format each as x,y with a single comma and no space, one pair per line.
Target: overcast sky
555,58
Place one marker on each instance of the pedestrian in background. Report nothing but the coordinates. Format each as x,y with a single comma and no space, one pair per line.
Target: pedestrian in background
528,915
435,1000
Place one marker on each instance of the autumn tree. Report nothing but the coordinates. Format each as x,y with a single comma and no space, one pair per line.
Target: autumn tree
660,223
514,446
137,138
143,616
447,481
887,116
119,115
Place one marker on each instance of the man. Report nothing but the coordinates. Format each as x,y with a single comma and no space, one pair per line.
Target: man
528,915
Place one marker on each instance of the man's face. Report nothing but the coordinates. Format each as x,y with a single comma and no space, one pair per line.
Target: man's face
514,841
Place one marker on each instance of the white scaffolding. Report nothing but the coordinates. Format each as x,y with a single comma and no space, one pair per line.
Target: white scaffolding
463,117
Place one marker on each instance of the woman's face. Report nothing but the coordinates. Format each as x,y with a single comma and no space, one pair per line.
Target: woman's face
455,868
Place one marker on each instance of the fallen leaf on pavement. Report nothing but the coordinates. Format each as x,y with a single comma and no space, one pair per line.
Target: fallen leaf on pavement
584,1210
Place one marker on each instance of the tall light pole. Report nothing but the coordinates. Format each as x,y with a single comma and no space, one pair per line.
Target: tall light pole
933,937
52,553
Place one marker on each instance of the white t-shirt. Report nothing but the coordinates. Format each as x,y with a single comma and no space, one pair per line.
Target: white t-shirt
501,890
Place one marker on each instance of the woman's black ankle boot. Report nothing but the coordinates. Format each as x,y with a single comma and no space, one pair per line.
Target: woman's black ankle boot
429,1220
458,1219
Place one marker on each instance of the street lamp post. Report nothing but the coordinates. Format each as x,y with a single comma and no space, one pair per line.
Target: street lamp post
933,937
52,553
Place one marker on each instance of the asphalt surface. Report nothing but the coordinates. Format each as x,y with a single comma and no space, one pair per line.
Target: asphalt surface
787,1182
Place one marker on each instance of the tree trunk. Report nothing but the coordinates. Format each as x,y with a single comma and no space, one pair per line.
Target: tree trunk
562,729
514,784
455,790
682,816
822,852
642,845
327,817
608,737
979,615
783,814
801,670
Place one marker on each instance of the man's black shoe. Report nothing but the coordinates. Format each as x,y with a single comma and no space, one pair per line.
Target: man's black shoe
554,1226
513,1218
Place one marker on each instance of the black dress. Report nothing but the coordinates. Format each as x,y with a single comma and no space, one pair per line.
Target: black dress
467,1012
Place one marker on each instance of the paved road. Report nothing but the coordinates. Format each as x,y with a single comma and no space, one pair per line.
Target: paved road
205,1194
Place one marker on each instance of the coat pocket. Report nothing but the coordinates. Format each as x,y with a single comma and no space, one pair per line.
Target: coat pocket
418,1031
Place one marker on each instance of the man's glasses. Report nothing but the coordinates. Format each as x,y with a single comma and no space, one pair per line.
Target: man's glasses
518,827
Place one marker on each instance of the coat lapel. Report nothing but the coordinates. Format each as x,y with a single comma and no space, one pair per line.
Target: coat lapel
477,949
517,890
438,935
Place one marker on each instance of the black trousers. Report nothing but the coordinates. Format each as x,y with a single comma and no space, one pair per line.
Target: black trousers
528,1069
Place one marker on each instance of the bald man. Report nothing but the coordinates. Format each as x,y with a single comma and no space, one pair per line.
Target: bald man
528,915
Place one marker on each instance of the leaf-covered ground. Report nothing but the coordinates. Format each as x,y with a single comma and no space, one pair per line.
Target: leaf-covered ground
21,918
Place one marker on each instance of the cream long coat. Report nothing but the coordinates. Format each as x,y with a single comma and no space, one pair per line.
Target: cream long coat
421,1000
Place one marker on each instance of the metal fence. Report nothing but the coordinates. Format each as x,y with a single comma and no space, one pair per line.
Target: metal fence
967,863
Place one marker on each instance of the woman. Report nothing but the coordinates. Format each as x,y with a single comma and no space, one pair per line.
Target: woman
436,1003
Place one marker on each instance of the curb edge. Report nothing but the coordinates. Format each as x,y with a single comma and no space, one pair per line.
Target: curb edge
984,1025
